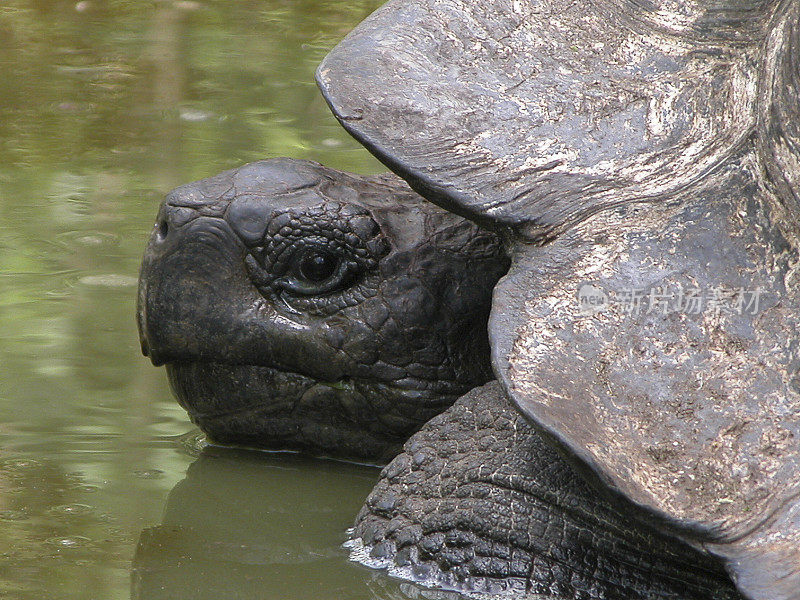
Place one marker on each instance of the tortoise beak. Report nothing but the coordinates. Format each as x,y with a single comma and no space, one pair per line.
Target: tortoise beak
191,270
140,317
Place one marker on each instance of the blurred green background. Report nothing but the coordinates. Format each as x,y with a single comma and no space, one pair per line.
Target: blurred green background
104,107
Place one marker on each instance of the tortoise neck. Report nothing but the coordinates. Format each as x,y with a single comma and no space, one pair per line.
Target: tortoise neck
705,21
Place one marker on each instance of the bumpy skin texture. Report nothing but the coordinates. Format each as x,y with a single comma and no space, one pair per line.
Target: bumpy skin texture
296,306
477,501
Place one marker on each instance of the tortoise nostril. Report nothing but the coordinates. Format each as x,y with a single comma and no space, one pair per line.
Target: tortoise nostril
162,228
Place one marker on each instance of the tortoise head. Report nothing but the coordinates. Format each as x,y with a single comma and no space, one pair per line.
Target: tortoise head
298,307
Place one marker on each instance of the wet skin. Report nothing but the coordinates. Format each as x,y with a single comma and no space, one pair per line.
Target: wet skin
299,307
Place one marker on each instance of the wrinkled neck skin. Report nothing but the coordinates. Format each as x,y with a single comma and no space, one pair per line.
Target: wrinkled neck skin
299,307
478,502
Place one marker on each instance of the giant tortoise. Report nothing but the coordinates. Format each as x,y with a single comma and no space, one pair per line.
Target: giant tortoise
638,161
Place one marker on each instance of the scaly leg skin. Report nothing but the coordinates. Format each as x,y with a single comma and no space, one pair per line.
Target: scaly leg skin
477,502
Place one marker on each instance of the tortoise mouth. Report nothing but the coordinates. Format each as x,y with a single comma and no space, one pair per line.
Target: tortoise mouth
266,408
209,390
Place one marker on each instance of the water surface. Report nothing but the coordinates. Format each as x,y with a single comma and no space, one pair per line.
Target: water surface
104,492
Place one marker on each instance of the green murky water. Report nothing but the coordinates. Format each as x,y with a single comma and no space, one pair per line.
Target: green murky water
104,107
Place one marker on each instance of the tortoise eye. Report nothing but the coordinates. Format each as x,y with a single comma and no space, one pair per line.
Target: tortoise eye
316,271
317,251
316,266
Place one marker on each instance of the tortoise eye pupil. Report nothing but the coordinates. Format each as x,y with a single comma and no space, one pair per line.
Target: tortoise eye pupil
318,266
